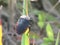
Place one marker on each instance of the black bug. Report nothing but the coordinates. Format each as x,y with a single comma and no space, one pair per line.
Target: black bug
22,25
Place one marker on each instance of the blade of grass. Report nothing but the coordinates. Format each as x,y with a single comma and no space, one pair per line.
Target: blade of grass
57,40
25,36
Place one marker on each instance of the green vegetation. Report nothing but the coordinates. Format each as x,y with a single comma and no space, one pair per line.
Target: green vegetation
43,22
57,40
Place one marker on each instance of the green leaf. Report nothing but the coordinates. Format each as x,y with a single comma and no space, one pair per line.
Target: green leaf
47,40
49,32
41,18
57,40
25,38
44,44
41,24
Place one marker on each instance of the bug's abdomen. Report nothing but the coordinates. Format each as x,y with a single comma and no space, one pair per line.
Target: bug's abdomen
22,25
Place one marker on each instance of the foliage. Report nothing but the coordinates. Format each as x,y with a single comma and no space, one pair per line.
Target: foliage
25,36
49,32
50,37
41,19
47,16
57,40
